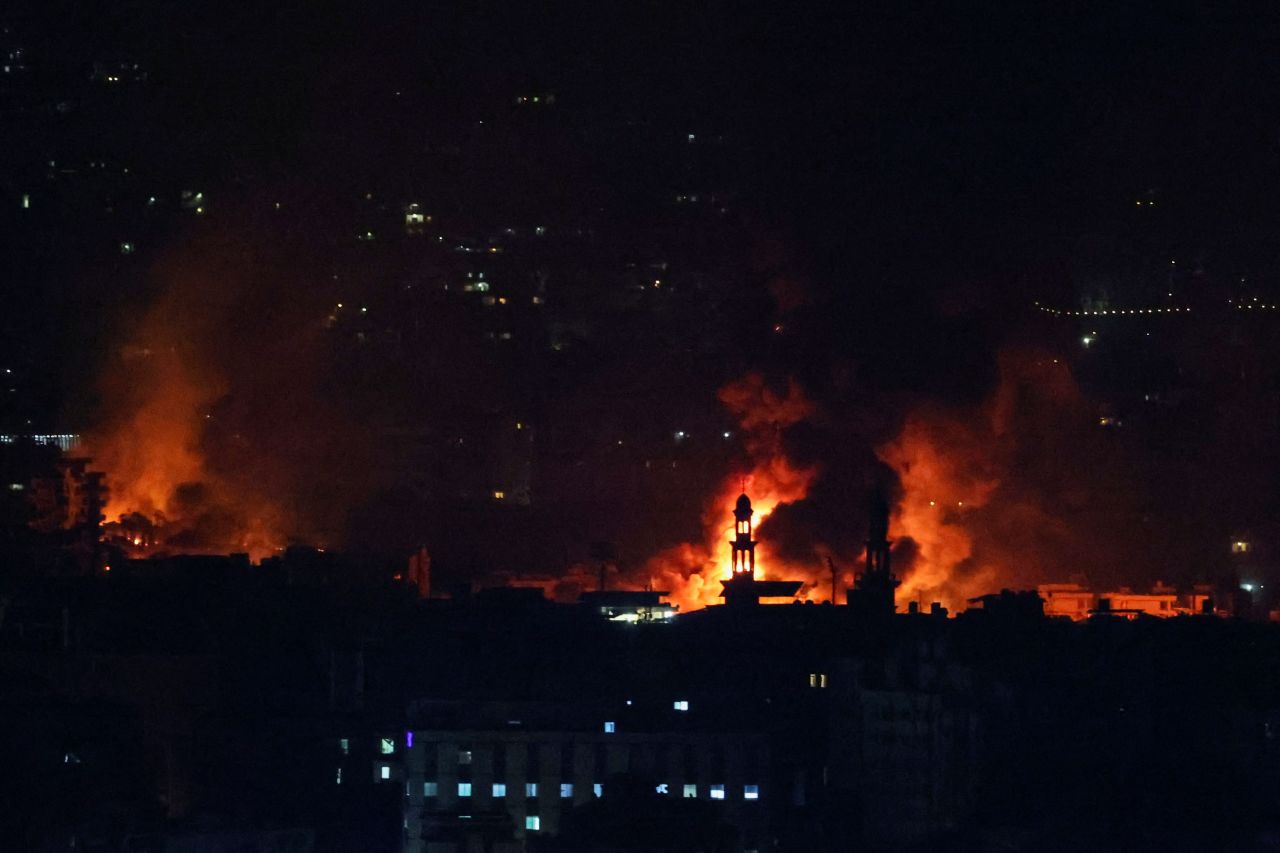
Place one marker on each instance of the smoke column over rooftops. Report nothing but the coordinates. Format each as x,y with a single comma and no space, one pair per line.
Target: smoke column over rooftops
1022,488
692,571
213,426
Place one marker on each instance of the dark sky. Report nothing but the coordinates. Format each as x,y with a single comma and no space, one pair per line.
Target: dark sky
920,172
899,152
949,132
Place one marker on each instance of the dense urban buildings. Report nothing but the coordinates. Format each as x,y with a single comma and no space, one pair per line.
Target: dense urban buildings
311,702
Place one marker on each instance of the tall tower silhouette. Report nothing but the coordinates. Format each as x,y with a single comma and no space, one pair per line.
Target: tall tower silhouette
744,547
874,588
742,588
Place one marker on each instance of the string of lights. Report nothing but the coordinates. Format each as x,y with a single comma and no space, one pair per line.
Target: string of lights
1060,312
1107,312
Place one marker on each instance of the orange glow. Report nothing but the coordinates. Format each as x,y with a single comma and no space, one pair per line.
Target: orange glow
940,491
692,571
979,516
164,496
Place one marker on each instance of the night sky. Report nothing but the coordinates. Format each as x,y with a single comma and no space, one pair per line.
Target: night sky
901,183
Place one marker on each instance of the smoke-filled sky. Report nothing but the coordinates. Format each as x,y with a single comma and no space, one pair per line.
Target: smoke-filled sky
890,191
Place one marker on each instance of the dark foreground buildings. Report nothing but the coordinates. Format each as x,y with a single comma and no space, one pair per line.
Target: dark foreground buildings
208,704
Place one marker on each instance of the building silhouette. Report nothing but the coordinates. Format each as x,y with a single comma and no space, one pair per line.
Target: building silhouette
873,590
743,589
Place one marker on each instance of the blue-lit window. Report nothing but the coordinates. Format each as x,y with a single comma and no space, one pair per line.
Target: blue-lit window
566,790
384,772
533,822
717,792
531,789
464,789
430,789
691,791
344,744
610,727
680,704
750,792
597,789
499,789
387,745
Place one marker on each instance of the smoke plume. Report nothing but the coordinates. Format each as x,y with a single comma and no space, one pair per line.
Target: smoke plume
213,427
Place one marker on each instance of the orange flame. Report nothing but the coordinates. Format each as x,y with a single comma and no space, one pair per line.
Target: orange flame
979,518
151,448
939,494
156,448
693,571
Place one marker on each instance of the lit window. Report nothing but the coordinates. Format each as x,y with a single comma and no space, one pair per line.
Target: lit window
751,792
531,789
499,789
610,727
464,756
464,789
813,679
339,781
566,790
498,494
717,792
662,789
680,704
344,744
822,679
690,791
408,740
597,789
430,789
533,822
387,745
1239,547
384,771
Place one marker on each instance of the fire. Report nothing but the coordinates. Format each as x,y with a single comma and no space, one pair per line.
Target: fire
692,571
941,492
164,494
994,495
156,447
